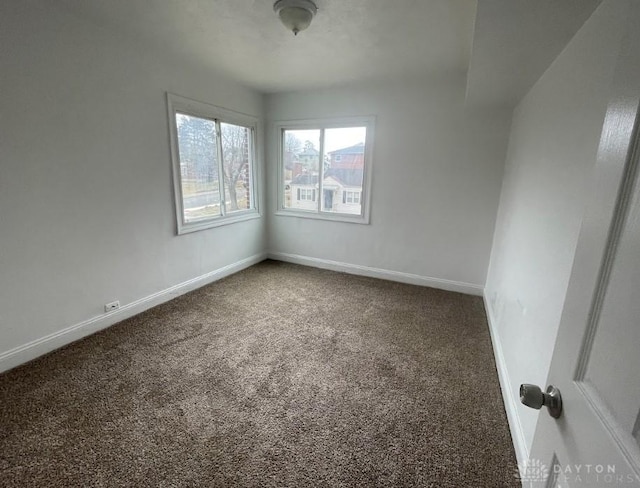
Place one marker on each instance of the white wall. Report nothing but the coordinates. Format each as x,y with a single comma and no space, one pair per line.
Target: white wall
86,206
552,151
437,172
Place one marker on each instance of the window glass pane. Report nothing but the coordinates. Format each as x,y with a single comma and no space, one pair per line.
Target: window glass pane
198,167
301,168
343,170
236,165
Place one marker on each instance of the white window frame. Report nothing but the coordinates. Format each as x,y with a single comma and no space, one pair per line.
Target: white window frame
307,192
354,195
177,104
322,124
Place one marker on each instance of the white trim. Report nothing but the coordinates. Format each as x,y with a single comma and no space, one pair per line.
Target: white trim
355,195
230,218
176,103
368,121
312,214
27,352
510,403
384,274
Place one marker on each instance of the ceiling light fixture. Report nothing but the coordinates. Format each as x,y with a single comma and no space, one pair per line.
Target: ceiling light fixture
296,15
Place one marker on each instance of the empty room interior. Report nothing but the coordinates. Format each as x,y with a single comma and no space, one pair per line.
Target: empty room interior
319,243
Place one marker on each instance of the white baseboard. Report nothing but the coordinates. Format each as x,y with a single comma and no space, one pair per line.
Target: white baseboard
385,274
27,352
43,345
510,403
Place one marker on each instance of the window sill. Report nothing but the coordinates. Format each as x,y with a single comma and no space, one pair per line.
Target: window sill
218,222
351,219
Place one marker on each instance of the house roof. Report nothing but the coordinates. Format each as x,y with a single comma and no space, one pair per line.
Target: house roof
344,176
356,149
305,179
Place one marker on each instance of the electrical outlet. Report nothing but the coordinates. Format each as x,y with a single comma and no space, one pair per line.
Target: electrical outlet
110,307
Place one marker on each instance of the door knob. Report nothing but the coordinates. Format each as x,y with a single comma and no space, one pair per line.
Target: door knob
532,396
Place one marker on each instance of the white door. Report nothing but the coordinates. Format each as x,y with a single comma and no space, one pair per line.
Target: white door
596,360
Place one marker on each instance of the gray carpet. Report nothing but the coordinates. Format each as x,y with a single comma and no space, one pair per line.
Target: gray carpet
280,375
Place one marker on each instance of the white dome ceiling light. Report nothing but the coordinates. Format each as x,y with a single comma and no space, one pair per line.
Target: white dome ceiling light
296,15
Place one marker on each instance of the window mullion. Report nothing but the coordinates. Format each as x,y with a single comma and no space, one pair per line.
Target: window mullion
321,171
223,208
251,158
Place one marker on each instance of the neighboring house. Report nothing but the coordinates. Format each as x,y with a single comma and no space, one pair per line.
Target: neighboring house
306,162
290,162
341,186
304,192
349,157
309,157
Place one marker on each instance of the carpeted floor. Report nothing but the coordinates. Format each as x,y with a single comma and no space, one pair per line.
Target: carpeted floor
280,375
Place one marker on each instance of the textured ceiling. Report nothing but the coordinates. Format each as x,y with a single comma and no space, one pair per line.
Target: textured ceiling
348,41
514,43
352,41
